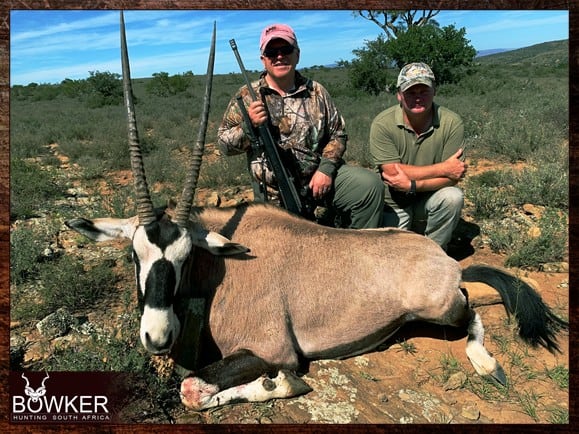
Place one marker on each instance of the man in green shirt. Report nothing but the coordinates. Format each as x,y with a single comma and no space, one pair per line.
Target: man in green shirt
417,146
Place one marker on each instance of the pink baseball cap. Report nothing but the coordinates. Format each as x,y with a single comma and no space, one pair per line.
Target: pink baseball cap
277,31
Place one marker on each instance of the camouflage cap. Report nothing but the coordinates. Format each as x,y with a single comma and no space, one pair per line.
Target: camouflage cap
415,73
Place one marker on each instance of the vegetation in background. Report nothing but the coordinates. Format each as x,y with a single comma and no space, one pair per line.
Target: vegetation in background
164,85
396,22
408,39
502,124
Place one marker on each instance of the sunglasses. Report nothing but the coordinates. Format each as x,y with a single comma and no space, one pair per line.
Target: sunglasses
274,52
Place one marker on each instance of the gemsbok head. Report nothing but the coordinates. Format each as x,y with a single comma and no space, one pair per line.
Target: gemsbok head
160,245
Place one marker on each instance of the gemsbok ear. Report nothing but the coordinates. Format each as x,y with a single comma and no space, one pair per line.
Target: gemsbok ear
104,229
217,244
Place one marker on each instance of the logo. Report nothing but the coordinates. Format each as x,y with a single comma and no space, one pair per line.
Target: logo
61,397
35,395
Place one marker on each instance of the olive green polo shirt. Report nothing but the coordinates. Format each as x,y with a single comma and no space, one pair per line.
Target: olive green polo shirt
392,141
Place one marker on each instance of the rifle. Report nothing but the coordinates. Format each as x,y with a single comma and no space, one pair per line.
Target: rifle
289,195
255,143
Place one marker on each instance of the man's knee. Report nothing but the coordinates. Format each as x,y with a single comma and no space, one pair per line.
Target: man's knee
360,186
371,183
450,199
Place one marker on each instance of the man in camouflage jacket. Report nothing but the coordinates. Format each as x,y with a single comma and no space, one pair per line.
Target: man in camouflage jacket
309,132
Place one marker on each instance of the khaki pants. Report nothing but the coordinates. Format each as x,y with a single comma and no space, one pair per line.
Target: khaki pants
435,214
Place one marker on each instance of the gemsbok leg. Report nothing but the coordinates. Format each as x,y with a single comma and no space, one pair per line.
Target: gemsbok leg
240,377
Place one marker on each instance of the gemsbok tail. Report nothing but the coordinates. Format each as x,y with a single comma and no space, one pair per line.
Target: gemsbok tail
538,325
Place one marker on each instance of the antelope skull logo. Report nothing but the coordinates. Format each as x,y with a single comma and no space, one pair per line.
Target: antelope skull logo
35,395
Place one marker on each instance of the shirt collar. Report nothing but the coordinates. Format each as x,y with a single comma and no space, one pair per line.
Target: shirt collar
302,83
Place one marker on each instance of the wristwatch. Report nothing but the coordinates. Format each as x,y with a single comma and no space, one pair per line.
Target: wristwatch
412,190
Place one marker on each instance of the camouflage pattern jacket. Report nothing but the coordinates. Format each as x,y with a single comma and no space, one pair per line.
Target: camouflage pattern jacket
305,124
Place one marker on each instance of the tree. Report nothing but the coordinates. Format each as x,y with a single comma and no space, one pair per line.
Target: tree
371,70
105,88
163,85
74,88
394,22
445,50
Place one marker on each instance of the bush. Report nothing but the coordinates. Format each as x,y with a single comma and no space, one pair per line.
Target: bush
32,190
371,70
530,251
105,88
25,252
60,282
445,50
488,195
67,284
549,246
163,85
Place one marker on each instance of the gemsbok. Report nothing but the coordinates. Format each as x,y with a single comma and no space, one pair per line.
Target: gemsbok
303,292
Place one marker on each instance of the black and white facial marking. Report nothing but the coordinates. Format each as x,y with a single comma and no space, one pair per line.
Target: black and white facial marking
159,251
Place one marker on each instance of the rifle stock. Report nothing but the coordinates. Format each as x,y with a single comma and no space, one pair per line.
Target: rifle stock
289,195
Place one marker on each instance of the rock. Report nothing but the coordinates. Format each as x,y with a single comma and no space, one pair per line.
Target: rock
213,200
534,210
555,267
430,407
56,324
455,381
534,232
35,352
470,411
481,294
76,192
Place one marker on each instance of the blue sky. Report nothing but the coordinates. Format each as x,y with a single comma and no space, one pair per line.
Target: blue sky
49,46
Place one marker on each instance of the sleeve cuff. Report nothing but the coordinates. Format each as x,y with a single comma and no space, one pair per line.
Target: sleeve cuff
328,167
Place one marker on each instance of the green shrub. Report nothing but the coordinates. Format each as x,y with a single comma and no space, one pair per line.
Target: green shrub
549,246
26,246
120,353
546,185
66,283
42,280
164,85
99,355
488,194
104,88
32,190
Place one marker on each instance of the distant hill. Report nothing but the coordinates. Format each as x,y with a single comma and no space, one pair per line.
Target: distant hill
545,53
483,53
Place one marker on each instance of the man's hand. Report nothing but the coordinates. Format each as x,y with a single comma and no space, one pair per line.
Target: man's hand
397,179
320,184
454,168
257,113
